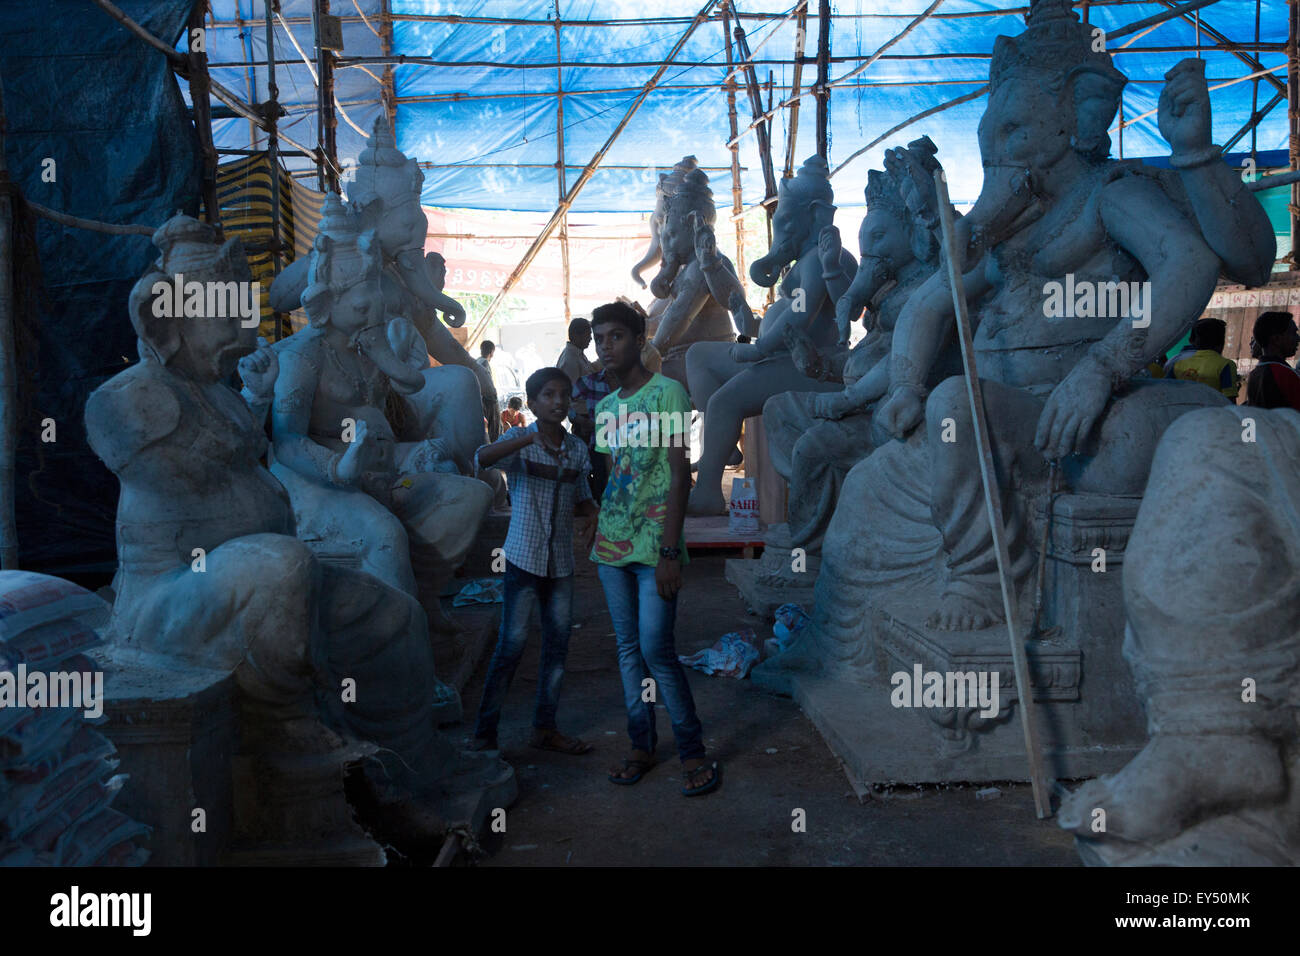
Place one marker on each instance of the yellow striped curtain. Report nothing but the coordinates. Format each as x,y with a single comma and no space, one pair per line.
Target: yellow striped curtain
244,196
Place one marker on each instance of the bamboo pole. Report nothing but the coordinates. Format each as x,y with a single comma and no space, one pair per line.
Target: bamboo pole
800,7
63,219
792,134
1222,42
8,363
588,171
174,56
957,101
953,256
737,193
200,97
823,80
763,129
559,165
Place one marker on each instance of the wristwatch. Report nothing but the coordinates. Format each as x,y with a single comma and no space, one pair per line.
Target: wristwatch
672,554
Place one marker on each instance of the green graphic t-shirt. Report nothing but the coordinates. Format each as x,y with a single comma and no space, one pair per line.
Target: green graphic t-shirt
637,432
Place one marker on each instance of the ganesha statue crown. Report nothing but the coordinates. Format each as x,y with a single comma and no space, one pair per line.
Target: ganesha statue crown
384,171
1054,45
342,255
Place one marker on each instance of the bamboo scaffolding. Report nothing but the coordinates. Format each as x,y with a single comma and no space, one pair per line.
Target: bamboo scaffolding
201,98
671,21
1236,49
792,122
823,89
737,190
586,175
762,130
559,165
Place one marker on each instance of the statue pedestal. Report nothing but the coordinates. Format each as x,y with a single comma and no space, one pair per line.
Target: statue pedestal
174,729
770,581
1089,720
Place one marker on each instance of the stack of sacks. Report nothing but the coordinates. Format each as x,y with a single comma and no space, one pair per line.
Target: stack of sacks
56,770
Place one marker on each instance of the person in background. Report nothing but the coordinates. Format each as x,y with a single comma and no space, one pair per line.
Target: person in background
512,416
1273,383
1156,367
1202,361
587,393
572,359
548,485
645,427
486,350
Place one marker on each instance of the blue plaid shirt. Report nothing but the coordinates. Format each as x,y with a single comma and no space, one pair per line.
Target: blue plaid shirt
545,486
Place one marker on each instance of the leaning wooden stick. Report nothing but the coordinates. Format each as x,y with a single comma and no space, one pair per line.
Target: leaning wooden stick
954,257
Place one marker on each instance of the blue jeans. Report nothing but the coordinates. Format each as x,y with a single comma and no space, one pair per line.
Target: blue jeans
524,591
643,627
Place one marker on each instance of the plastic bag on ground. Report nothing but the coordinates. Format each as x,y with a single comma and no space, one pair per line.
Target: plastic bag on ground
733,656
480,591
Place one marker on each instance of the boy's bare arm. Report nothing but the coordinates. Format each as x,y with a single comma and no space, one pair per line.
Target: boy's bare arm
491,453
668,573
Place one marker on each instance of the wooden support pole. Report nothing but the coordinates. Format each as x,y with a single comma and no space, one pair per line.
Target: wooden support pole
326,122
387,86
559,166
762,130
953,256
737,193
824,79
201,98
585,177
8,363
792,126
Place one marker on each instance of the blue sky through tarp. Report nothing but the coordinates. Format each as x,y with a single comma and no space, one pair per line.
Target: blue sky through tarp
515,131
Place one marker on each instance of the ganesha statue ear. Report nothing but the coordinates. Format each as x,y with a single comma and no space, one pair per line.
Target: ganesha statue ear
1096,101
159,335
823,215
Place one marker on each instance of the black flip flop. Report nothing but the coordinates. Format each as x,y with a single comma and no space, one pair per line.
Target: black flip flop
709,787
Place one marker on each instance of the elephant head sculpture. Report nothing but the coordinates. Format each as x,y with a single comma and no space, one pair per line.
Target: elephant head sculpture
1052,98
805,205
343,292
205,347
677,231
667,186
386,195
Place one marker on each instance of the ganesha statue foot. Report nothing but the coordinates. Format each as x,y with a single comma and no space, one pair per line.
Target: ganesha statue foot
706,499
965,608
1175,781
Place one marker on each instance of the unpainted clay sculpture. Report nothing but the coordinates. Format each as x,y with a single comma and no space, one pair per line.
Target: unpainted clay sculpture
399,507
693,286
1213,639
211,575
730,383
1057,383
385,194
814,438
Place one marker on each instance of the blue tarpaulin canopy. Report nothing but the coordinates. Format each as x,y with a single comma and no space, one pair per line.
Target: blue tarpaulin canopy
482,108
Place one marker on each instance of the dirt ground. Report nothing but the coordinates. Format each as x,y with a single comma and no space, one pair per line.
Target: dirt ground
774,763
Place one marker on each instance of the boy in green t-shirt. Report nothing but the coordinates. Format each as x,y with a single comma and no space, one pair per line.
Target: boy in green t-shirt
645,427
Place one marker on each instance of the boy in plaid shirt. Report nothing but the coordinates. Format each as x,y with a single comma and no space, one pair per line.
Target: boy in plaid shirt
547,470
